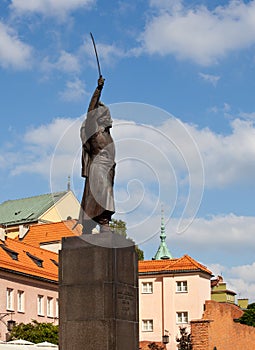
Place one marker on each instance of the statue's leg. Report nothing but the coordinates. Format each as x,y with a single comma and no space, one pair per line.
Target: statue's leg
103,220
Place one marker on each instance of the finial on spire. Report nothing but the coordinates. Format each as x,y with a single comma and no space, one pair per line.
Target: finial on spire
69,183
163,252
163,234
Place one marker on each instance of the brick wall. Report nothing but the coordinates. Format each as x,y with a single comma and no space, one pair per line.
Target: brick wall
218,329
200,334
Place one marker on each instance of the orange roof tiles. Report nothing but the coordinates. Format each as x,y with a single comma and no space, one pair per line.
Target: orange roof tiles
53,232
25,264
50,232
185,263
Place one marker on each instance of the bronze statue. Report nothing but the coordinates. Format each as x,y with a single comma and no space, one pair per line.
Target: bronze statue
98,165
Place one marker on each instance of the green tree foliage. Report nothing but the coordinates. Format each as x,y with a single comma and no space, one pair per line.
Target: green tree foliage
248,316
36,332
184,341
139,252
120,227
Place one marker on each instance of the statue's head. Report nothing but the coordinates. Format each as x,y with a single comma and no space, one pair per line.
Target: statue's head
104,117
96,119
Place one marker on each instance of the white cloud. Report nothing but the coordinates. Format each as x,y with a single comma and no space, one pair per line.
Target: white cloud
66,62
247,272
226,107
212,79
13,52
163,163
201,35
224,110
154,164
239,279
248,116
145,178
144,169
108,54
228,159
74,91
222,233
39,145
49,8
168,154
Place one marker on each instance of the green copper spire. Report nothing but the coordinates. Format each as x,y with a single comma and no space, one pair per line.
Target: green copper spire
163,252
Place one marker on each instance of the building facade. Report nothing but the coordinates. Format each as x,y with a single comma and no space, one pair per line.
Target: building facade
28,285
172,292
16,216
220,292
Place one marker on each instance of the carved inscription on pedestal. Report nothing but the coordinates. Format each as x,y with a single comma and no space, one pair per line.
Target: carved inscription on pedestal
126,302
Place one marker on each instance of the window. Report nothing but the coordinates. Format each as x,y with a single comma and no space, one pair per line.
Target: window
37,261
9,299
182,317
40,308
147,325
147,287
20,299
10,252
49,307
181,286
55,262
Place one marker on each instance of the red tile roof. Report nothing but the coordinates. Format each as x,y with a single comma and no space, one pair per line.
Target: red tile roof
53,232
27,258
183,264
50,232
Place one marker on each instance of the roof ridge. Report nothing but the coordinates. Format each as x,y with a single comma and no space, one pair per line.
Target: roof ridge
22,265
39,195
12,264
184,263
29,209
15,241
51,223
198,264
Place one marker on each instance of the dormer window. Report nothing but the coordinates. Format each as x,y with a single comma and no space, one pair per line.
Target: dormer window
10,252
54,262
35,259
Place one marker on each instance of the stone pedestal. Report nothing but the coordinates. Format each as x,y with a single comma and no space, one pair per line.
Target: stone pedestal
98,296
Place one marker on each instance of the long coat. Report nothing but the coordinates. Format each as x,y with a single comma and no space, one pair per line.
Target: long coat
98,164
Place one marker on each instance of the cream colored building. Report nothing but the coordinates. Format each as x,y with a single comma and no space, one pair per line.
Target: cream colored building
17,215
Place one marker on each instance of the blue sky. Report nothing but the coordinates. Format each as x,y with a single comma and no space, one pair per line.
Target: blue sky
180,86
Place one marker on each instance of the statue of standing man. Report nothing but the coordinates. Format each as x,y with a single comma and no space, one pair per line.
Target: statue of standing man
98,165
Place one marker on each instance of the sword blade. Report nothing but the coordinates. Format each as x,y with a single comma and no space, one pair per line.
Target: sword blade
98,65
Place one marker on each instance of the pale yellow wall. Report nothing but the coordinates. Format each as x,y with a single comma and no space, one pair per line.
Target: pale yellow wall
13,234
66,206
52,247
